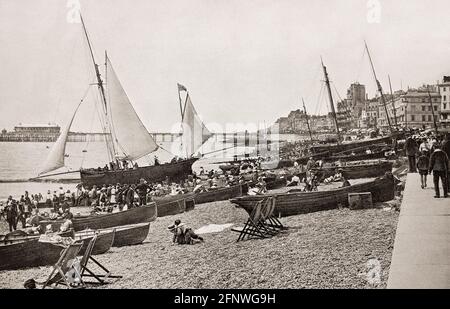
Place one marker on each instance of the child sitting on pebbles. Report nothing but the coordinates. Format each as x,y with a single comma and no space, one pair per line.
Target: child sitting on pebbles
183,234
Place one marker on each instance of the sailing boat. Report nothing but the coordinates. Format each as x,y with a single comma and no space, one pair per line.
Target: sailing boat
341,148
127,139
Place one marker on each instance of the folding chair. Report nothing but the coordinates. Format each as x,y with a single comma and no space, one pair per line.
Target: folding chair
252,227
63,266
270,219
100,278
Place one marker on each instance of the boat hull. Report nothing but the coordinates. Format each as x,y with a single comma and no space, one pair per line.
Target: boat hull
155,173
289,204
172,205
102,244
28,253
335,148
221,194
140,214
359,171
124,235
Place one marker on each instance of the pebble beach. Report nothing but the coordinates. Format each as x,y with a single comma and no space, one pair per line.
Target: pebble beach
339,248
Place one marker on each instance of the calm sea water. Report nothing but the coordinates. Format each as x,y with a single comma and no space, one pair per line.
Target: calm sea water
21,161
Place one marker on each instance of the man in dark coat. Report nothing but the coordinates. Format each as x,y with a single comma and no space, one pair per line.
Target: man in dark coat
11,214
142,189
446,149
411,150
439,166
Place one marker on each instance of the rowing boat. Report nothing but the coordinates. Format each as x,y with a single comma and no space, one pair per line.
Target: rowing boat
28,251
221,194
336,148
358,170
127,235
140,214
294,203
174,204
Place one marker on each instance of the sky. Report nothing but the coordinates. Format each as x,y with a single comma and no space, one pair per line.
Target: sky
243,61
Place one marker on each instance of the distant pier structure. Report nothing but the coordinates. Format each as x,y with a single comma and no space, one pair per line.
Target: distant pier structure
50,132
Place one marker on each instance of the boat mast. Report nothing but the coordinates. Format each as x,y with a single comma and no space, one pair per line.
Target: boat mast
432,111
330,96
109,144
307,120
380,89
393,103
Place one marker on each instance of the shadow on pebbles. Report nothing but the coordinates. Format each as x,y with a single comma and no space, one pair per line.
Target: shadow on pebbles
339,248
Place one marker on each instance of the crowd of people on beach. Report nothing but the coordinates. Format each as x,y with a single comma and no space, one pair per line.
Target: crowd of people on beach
429,154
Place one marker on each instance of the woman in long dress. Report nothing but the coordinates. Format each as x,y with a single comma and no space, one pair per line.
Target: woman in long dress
112,199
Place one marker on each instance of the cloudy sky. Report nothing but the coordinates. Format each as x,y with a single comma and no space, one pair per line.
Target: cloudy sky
243,61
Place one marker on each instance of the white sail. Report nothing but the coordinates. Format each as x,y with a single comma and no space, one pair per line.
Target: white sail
195,132
55,159
131,137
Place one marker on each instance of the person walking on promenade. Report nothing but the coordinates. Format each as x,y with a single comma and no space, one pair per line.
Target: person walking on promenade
411,150
439,166
423,164
446,149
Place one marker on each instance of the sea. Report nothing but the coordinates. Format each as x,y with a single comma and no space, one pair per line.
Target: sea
21,161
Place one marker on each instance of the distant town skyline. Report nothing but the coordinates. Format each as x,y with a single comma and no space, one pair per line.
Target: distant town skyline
242,61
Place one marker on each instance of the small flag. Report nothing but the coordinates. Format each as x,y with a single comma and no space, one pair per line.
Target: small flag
181,87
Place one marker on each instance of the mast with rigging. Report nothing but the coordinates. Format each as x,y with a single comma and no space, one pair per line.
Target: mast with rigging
101,88
307,120
380,89
330,96
393,103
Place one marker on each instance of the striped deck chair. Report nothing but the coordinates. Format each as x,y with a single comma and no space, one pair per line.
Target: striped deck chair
253,227
270,220
64,265
86,272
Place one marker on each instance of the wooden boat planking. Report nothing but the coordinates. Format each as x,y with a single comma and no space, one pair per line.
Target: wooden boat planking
294,203
30,252
140,214
358,171
127,235
221,194
155,173
174,204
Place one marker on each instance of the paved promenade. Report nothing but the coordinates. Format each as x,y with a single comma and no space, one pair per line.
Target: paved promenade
421,256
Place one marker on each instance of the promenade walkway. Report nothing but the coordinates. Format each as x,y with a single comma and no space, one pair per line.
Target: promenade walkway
421,255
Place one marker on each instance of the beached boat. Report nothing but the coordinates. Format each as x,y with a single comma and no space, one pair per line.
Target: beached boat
28,251
358,170
221,194
24,253
102,245
140,214
294,202
174,204
356,157
336,148
127,235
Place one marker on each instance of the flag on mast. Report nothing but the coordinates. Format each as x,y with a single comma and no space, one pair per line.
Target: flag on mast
181,87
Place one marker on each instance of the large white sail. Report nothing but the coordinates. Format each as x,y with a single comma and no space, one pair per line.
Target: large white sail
131,137
55,159
195,132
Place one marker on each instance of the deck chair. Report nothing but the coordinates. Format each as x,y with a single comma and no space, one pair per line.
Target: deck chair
270,218
63,266
87,272
253,227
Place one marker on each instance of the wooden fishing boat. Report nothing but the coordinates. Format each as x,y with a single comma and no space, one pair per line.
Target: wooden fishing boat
336,148
221,194
360,170
356,157
174,204
126,137
24,253
294,203
140,214
155,173
127,235
28,251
